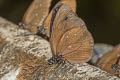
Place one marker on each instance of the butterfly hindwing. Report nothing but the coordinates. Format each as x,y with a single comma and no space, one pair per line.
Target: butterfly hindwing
76,45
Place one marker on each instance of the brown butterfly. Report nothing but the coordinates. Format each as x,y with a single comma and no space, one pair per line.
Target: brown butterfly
35,16
110,62
69,38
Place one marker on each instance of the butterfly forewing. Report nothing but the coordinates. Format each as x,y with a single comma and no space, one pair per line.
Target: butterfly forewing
71,3
70,36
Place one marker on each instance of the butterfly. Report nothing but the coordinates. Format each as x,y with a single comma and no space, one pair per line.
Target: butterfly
69,38
110,62
100,49
36,15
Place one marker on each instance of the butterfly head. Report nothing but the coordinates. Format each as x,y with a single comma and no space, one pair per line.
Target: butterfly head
56,60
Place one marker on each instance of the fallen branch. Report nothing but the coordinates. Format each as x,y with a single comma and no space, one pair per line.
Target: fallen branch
24,57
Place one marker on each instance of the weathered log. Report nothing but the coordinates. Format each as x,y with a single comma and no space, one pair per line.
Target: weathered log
24,57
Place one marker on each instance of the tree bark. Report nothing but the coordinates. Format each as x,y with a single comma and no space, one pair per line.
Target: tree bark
24,57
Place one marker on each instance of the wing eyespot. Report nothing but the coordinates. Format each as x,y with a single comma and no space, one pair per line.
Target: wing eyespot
66,18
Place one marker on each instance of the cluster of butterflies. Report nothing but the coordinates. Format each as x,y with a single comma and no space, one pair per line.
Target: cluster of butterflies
68,35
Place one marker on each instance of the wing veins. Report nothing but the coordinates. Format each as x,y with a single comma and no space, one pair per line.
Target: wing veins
63,35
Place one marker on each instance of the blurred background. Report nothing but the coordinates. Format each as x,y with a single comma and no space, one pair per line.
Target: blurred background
102,17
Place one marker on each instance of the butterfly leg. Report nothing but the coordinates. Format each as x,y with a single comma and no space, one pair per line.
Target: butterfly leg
41,32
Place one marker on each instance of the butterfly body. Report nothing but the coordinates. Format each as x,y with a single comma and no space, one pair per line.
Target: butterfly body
56,60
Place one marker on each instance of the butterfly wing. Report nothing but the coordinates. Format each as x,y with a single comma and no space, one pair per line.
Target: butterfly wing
35,14
77,46
70,3
70,37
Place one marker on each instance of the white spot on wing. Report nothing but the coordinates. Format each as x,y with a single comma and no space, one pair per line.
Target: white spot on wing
82,24
36,14
69,46
75,34
67,37
40,4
